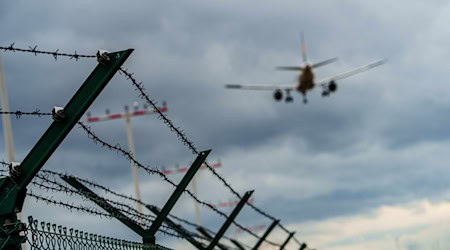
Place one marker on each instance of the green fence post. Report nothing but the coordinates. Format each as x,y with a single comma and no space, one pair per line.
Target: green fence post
210,238
266,233
13,187
150,233
101,202
230,219
237,244
303,246
287,240
178,228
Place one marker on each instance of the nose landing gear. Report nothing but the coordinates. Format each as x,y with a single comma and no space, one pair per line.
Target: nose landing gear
289,98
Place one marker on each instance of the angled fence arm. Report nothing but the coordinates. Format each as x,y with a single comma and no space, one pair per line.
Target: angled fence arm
210,238
287,240
160,218
237,244
101,202
303,246
229,220
266,233
178,228
13,187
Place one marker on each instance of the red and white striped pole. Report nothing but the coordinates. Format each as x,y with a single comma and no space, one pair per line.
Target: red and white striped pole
127,116
230,203
136,112
181,170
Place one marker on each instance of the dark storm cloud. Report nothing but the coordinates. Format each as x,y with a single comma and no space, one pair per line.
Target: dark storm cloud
377,123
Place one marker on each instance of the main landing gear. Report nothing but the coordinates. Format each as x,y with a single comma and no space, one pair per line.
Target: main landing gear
289,98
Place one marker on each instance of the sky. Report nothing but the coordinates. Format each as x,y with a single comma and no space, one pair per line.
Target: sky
362,169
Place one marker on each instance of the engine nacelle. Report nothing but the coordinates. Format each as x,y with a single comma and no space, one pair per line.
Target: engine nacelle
278,95
332,86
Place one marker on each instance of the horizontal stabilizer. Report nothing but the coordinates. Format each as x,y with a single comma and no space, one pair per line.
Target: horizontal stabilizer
261,86
316,65
233,86
290,68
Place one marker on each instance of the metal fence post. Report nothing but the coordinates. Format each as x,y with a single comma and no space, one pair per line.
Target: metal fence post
178,228
13,187
209,237
101,202
271,227
230,219
150,233
287,240
237,244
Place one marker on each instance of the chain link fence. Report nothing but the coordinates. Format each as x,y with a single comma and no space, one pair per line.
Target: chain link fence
47,236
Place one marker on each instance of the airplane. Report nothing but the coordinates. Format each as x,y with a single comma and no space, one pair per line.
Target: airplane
305,80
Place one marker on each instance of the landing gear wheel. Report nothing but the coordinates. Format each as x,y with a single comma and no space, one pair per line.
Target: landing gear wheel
289,99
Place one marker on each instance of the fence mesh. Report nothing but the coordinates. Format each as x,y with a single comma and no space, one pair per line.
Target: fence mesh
47,236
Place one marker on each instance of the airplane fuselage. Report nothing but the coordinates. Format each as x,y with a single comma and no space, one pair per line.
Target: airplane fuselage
305,80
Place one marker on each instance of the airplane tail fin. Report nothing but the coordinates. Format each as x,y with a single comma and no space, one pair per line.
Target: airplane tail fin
322,63
303,49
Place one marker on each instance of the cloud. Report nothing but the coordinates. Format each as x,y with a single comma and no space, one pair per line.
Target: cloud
418,224
380,141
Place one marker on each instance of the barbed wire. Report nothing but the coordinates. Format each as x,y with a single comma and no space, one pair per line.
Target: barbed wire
55,54
19,113
135,214
178,131
180,134
123,208
183,138
123,196
65,189
118,149
147,219
71,207
43,182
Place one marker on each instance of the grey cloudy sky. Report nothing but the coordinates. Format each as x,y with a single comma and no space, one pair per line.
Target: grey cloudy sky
345,172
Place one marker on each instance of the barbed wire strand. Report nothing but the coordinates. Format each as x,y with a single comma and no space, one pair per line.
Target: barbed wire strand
109,191
183,138
169,123
124,208
178,131
71,207
19,113
55,54
118,149
70,191
135,215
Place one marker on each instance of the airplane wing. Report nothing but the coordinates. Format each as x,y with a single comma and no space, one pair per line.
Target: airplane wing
350,72
261,87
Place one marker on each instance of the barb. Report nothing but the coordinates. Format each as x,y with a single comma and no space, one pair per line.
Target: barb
55,54
157,172
183,138
19,113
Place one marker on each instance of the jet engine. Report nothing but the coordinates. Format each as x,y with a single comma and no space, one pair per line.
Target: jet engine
332,86
278,95
329,88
